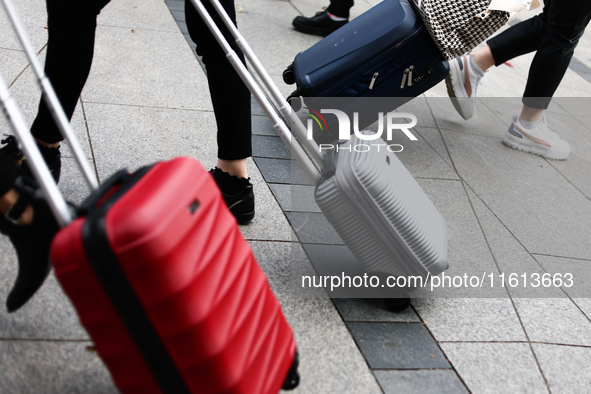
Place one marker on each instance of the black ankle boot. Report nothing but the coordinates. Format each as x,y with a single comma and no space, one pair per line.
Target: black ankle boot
237,193
31,242
52,157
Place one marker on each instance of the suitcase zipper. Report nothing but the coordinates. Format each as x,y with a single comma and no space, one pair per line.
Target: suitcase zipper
407,76
373,80
404,75
345,82
410,75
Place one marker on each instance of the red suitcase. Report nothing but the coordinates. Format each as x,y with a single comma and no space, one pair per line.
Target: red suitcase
169,290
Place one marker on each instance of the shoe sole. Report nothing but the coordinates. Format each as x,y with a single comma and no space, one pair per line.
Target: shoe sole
244,218
449,83
518,144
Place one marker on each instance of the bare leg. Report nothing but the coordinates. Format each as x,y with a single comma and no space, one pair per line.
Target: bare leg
484,58
234,167
8,200
531,114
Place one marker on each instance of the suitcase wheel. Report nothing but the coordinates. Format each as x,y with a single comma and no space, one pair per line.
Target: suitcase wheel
295,101
293,377
396,305
289,75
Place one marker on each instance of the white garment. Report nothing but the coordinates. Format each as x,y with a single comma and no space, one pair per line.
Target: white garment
513,6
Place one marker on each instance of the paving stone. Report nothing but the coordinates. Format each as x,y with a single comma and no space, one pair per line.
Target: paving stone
282,194
585,305
284,264
282,171
295,197
52,368
517,187
496,367
467,251
130,137
512,259
574,127
177,5
471,319
313,228
132,68
270,147
420,108
397,345
573,276
433,137
72,183
484,123
551,320
420,382
261,125
33,17
565,367
351,279
256,27
255,108
371,310
137,14
422,160
576,107
16,61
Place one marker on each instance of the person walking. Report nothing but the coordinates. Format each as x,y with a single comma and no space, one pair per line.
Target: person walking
554,35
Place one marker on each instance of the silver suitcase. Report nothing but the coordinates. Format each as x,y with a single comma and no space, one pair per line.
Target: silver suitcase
382,213
373,202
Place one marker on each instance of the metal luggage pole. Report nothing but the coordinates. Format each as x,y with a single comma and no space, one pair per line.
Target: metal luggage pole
285,109
51,99
278,123
54,197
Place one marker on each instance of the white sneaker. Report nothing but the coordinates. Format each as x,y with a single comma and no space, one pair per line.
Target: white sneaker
539,140
462,83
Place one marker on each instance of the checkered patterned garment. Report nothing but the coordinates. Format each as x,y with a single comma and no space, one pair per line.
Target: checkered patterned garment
456,26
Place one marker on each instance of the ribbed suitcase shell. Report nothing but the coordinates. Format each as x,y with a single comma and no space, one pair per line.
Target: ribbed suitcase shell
381,212
382,42
197,280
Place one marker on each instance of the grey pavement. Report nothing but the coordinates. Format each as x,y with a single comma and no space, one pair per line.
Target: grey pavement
507,212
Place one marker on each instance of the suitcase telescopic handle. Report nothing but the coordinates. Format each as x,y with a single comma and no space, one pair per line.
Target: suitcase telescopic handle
36,162
311,159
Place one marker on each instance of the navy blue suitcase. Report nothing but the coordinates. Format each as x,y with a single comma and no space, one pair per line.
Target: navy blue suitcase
385,52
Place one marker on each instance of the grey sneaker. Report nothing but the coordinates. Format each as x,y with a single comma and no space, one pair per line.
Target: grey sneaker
539,140
462,83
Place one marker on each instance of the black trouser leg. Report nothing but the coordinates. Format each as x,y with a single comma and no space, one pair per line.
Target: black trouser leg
70,48
229,95
554,35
